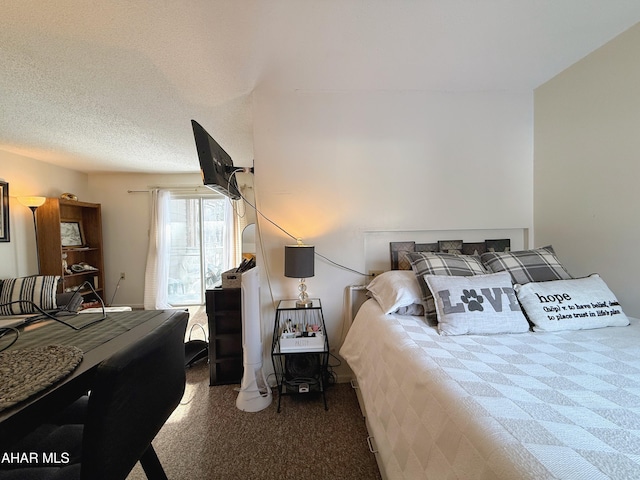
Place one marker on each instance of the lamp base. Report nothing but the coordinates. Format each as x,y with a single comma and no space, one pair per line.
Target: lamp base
307,303
303,298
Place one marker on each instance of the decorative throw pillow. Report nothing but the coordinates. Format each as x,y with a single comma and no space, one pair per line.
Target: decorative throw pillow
537,265
25,292
480,304
576,304
416,309
449,264
394,290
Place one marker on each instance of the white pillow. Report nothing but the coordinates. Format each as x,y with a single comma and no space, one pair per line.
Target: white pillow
479,304
395,289
577,304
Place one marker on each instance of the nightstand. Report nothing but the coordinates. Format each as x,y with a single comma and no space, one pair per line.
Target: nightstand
300,349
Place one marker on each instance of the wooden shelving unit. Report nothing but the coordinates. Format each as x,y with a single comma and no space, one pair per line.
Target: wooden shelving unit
51,251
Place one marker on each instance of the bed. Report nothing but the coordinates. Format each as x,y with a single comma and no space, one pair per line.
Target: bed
559,400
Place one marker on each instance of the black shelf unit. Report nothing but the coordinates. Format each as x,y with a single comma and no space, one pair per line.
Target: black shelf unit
224,314
300,369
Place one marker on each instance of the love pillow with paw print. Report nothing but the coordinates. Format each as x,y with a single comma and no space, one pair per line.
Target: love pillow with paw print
480,304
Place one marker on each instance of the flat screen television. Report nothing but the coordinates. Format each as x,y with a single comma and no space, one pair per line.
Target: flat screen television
216,165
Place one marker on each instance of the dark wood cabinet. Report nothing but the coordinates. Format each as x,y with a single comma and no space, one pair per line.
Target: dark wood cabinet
224,314
66,256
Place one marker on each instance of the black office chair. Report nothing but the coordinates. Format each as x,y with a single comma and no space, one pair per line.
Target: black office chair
133,394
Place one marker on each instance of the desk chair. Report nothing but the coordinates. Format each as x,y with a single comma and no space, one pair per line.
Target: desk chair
133,394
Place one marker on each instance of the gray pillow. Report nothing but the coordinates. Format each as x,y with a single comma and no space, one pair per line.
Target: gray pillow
449,264
537,265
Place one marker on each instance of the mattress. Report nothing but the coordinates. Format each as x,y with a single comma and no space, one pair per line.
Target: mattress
562,405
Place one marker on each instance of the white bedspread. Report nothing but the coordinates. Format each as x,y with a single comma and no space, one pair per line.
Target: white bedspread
522,406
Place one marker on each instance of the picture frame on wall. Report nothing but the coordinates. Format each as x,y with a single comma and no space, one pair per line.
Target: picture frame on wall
4,212
71,233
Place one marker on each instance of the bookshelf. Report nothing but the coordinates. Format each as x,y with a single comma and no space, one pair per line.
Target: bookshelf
72,229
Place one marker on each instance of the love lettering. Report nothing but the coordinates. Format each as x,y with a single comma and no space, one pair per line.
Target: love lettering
473,301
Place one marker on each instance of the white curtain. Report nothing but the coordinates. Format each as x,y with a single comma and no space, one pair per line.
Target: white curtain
240,221
233,251
158,255
157,272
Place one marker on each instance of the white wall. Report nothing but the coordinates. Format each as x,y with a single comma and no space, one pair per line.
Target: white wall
125,227
30,177
587,142
125,218
331,165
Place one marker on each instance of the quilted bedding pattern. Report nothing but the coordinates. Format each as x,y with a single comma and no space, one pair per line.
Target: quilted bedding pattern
563,405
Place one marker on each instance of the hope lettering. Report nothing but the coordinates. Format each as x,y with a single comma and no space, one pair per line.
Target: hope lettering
556,297
471,300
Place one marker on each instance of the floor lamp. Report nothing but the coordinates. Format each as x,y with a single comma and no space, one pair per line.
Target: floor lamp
33,203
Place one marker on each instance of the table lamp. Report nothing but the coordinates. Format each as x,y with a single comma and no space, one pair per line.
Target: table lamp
298,263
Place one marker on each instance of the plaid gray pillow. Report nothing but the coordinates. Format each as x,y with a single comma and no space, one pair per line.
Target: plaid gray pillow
537,265
450,264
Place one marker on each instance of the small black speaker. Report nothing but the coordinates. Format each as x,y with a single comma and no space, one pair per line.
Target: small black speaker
301,366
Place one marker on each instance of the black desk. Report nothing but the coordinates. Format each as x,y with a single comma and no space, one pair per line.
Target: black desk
98,342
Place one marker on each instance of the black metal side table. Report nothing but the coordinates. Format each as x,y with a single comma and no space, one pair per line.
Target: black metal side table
300,349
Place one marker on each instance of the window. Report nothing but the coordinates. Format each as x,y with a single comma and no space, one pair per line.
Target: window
198,253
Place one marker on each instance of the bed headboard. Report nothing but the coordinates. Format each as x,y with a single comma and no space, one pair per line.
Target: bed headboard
399,250
377,243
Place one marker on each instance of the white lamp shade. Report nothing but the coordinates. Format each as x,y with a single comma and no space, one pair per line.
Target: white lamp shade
32,201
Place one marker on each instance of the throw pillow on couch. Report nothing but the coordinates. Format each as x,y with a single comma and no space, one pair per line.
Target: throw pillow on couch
24,295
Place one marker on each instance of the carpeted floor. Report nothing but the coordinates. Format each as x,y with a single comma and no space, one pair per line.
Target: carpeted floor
207,437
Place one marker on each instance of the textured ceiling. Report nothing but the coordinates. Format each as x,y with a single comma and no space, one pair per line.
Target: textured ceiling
112,86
